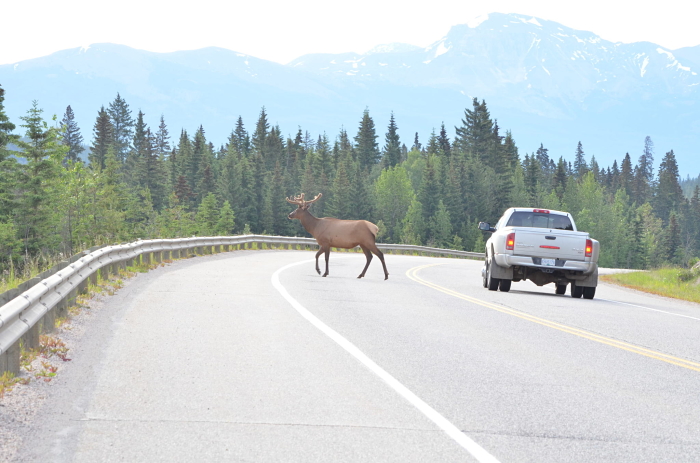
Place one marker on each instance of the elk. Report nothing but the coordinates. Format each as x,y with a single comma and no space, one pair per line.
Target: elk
331,232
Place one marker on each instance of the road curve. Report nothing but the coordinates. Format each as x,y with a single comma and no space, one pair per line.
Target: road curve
207,359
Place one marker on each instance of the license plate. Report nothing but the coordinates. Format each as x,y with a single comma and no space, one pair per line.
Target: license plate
549,262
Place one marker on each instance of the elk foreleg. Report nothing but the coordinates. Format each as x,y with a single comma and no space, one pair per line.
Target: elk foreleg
368,255
320,250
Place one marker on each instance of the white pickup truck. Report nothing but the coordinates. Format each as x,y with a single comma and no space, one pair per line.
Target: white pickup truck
542,246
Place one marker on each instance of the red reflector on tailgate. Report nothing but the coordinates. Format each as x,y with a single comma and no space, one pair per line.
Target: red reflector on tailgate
549,247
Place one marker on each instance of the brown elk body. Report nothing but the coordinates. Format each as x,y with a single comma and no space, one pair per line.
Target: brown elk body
330,232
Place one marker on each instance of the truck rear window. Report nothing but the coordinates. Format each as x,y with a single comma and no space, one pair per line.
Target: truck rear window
539,220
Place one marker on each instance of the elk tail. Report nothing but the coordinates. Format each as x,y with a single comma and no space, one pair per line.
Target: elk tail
374,229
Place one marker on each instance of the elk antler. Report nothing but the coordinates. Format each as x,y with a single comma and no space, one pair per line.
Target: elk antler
298,200
318,196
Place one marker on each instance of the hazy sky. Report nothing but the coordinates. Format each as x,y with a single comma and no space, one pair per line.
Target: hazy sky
283,30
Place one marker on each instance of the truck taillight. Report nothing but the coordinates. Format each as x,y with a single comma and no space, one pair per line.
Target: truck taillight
510,241
589,248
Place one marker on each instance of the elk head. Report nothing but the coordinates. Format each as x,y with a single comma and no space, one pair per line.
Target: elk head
301,205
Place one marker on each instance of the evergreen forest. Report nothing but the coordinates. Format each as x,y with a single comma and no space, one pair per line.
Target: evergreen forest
63,190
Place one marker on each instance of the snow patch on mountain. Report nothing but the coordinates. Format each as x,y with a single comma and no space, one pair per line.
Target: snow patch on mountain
441,49
531,21
476,22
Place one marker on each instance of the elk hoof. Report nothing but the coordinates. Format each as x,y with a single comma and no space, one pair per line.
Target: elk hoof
386,277
318,271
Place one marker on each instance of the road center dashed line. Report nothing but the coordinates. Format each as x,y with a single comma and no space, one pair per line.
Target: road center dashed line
413,275
450,429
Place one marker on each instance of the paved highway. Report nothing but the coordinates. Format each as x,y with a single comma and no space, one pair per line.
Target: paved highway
251,356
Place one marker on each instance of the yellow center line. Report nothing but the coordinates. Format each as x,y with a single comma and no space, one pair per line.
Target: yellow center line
413,275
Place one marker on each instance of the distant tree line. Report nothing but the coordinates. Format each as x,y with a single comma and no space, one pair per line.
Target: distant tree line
59,194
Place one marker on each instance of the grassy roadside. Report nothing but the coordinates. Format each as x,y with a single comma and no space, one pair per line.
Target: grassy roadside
677,283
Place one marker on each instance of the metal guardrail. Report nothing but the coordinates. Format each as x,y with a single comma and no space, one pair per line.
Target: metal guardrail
34,306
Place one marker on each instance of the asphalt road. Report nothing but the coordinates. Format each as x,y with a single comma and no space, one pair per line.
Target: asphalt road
242,357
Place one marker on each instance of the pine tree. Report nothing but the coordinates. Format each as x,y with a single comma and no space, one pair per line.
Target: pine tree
416,144
394,194
475,137
429,193
6,127
560,178
71,136
162,139
43,153
240,138
580,166
8,166
392,148
103,139
433,147
227,220
440,228
260,134
208,215
644,173
669,195
122,123
443,142
366,145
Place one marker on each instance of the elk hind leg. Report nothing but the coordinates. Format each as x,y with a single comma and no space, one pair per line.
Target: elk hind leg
328,254
380,254
368,255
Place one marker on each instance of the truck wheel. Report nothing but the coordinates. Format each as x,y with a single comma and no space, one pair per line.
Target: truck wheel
561,289
589,292
576,291
492,283
504,285
484,275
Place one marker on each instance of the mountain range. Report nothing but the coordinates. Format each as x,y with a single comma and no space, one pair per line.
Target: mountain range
541,80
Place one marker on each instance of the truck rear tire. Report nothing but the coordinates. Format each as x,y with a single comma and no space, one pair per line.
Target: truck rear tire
589,292
504,285
576,291
561,289
491,283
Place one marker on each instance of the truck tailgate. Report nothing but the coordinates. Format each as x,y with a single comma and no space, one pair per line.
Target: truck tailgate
550,244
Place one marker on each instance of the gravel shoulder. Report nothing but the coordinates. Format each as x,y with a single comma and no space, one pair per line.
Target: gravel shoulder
19,406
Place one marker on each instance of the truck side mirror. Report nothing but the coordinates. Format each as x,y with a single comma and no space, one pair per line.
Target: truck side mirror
485,226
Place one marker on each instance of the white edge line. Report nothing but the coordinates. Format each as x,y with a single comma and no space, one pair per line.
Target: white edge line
649,308
458,436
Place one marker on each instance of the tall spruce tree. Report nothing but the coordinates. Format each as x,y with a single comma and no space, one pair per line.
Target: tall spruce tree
162,139
669,195
366,147
122,123
103,140
8,164
71,136
580,165
392,148
43,153
445,149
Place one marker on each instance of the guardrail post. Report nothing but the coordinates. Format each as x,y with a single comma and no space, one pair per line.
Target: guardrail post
146,258
9,360
30,339
158,257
